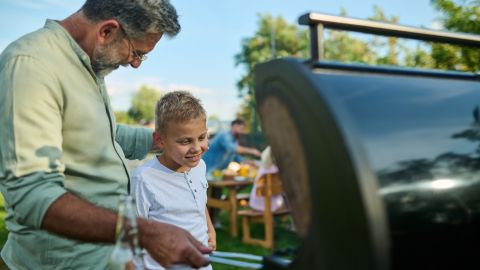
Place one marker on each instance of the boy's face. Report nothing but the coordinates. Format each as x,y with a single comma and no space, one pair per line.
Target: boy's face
183,144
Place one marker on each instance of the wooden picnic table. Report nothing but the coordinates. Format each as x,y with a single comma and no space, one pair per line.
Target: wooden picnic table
231,202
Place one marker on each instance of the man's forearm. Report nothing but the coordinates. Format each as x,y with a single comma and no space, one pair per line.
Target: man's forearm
73,217
243,150
136,142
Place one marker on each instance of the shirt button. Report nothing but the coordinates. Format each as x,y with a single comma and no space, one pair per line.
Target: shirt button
190,181
195,190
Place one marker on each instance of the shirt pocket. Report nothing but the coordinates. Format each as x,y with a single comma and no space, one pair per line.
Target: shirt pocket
204,184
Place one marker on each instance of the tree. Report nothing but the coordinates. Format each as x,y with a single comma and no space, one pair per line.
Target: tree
340,46
142,110
458,16
391,58
418,57
122,117
274,38
277,38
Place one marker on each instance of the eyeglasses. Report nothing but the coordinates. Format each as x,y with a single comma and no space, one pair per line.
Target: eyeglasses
140,56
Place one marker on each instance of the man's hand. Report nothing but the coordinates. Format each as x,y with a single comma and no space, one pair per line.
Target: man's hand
169,244
255,152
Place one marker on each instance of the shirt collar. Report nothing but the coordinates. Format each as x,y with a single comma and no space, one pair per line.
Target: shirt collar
55,26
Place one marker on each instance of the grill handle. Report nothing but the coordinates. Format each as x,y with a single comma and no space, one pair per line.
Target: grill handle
318,21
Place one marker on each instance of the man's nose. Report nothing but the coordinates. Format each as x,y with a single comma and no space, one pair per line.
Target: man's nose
135,63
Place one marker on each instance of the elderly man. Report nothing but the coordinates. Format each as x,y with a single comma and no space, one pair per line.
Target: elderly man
62,156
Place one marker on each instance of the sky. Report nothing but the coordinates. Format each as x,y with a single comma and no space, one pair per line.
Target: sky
201,58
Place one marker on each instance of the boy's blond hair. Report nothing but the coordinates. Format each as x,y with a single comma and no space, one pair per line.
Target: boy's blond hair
178,106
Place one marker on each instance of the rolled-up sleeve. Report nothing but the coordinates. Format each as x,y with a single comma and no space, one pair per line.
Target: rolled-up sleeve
228,143
136,142
31,171
142,195
230,146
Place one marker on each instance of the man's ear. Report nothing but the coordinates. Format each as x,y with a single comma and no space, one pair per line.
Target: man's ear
108,30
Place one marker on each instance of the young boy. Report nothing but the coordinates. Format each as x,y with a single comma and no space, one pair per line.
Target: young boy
172,187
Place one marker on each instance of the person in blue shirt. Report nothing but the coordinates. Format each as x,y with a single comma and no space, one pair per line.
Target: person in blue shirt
224,148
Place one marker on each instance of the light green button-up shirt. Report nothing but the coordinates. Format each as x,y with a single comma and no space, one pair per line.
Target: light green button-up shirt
57,135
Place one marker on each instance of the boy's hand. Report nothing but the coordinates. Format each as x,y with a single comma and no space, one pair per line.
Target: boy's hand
212,239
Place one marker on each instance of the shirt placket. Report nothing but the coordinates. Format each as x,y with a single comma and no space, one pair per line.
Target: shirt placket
193,189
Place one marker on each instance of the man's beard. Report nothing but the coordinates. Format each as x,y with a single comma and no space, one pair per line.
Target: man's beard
105,60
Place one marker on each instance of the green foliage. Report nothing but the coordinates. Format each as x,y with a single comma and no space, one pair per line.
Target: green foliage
458,16
446,56
3,228
284,238
392,55
418,57
122,117
213,117
142,110
342,47
277,38
274,38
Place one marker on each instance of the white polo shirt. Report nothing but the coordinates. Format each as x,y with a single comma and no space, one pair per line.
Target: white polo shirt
171,197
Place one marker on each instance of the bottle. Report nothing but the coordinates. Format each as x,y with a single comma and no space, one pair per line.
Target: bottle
127,248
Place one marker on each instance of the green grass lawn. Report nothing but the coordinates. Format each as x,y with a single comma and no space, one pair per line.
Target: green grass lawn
3,229
284,238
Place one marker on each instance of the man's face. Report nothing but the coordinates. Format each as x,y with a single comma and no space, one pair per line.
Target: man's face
183,144
122,51
107,58
238,130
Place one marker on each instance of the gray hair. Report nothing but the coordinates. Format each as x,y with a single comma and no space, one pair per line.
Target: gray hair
137,17
178,106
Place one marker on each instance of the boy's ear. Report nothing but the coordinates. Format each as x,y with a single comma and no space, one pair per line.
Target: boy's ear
157,140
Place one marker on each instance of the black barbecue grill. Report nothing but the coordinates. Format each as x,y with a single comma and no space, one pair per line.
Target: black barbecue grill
381,164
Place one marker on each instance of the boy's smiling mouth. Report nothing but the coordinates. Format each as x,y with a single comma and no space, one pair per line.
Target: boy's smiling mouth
194,157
